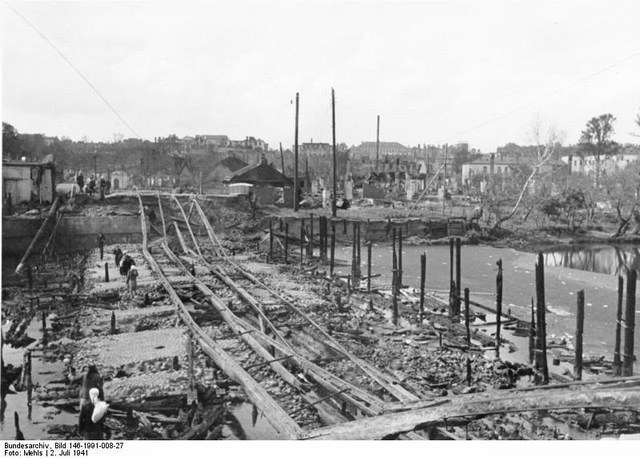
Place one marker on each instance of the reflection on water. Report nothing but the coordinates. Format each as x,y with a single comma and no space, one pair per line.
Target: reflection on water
612,260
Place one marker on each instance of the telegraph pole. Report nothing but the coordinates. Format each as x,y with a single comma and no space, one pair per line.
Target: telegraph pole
378,144
333,127
282,158
295,160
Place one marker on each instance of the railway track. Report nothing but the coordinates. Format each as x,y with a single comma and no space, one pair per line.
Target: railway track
292,369
265,337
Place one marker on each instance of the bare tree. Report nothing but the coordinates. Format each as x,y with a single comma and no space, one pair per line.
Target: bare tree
546,144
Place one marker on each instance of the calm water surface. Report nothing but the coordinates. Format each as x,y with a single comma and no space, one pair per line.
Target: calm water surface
561,282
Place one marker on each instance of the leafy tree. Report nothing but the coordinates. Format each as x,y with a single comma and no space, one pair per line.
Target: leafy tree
12,145
623,191
590,194
596,142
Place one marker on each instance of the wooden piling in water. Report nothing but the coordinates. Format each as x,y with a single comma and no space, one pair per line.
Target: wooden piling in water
321,235
541,334
286,243
577,368
467,317
458,274
301,243
423,278
106,272
325,228
498,306
359,254
270,240
629,324
617,365
400,284
369,274
354,251
532,334
113,323
394,281
333,247
44,322
310,246
451,260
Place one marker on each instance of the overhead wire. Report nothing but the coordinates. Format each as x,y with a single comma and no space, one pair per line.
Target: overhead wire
91,85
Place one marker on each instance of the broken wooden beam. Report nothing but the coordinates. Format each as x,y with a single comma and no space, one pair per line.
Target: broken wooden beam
386,425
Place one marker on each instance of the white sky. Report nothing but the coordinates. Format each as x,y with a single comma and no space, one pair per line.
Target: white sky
435,72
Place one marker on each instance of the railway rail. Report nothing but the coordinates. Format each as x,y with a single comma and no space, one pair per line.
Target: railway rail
266,336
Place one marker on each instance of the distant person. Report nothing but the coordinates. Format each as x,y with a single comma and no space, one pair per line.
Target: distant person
127,262
91,422
107,189
132,280
118,256
103,188
100,240
91,186
80,181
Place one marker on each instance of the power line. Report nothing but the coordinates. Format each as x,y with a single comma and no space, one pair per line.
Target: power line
106,102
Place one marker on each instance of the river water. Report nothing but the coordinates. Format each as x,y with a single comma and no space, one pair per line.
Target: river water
562,281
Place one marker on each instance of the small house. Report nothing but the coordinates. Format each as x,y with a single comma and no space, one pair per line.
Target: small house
27,181
265,180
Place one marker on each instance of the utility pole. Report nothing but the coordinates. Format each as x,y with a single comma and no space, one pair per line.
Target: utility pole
295,160
333,114
95,164
446,157
378,144
282,158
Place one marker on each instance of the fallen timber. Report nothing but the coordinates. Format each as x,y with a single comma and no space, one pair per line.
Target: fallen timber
465,406
392,386
332,384
256,393
370,400
39,234
328,415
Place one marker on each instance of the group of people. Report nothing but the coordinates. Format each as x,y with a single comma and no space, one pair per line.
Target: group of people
103,186
128,269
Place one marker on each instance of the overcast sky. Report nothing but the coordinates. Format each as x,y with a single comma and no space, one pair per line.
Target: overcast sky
435,72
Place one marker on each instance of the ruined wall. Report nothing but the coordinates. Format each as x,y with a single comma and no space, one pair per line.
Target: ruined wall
75,233
377,230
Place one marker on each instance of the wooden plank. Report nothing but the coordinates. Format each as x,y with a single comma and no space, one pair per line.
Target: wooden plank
385,425
278,418
193,237
38,235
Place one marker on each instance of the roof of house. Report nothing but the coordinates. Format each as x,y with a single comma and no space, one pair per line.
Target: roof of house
231,162
261,173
